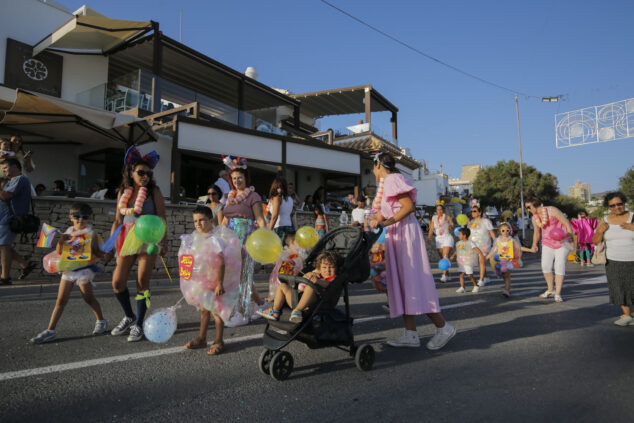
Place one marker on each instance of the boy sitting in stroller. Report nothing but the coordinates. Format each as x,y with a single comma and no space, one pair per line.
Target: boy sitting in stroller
325,271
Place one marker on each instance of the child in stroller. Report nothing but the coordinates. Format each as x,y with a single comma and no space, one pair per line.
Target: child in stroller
321,324
325,271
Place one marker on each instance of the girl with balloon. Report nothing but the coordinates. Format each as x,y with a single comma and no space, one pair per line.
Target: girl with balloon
442,226
555,230
138,196
482,235
242,212
507,253
410,283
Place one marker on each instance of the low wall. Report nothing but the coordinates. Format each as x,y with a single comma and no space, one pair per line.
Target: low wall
55,211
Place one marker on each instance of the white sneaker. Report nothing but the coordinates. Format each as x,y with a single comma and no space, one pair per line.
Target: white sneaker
136,333
486,280
625,320
460,290
481,283
100,327
44,336
442,336
475,290
409,339
443,278
123,326
238,319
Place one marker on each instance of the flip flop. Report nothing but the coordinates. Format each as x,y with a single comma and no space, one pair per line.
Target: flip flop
216,349
27,270
196,344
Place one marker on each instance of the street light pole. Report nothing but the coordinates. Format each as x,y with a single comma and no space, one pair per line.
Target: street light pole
519,138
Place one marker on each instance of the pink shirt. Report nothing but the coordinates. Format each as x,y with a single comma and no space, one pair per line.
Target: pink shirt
553,223
584,228
244,208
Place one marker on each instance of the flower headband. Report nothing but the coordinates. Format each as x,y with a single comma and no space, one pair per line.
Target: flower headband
133,156
233,162
475,203
440,202
376,157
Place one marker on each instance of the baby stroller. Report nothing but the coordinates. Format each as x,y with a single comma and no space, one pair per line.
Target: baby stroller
323,325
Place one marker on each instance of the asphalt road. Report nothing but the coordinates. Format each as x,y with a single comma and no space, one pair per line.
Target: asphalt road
522,359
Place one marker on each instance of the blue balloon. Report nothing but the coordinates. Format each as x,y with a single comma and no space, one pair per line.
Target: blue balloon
444,264
498,266
381,239
496,257
160,326
457,232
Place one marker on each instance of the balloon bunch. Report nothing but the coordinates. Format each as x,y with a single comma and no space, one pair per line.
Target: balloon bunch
264,246
200,260
148,229
53,263
291,262
501,266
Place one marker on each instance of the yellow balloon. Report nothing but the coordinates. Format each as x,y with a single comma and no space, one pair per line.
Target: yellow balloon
306,237
462,219
264,246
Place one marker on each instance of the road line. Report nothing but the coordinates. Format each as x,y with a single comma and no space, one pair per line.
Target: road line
387,316
107,360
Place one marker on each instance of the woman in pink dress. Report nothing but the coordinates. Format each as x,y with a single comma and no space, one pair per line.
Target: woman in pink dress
410,284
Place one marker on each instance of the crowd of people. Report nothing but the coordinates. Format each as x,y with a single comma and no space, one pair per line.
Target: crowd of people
406,272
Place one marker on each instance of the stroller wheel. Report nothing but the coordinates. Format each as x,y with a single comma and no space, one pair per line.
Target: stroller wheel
281,365
364,357
264,363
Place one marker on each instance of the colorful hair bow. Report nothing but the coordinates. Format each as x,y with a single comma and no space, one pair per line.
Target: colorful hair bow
233,162
133,156
440,202
475,203
376,157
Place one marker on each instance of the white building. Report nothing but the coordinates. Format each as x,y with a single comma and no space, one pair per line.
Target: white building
430,185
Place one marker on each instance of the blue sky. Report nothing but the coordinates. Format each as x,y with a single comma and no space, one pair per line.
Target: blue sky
579,49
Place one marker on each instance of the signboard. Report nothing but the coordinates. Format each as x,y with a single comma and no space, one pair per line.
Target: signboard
42,74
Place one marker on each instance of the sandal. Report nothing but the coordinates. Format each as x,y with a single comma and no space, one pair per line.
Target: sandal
27,269
558,299
216,349
269,314
296,317
196,343
547,294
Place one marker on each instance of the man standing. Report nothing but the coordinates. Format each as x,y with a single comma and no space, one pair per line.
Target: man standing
15,200
223,184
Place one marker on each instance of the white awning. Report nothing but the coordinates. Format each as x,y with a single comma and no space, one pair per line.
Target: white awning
94,33
41,117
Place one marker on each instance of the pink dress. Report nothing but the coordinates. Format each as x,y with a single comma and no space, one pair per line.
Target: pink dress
584,228
410,284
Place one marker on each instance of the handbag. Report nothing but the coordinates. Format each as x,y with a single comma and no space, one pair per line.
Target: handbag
23,224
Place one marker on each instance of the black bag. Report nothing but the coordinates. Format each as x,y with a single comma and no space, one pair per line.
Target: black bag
23,224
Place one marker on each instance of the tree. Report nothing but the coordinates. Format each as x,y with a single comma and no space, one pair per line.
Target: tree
626,183
570,206
499,185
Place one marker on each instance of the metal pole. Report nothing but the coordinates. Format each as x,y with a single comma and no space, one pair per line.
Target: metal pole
519,138
180,27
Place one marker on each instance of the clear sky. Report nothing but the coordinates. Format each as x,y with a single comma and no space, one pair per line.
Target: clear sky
579,49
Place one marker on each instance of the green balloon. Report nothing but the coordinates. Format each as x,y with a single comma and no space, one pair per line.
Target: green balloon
152,249
149,228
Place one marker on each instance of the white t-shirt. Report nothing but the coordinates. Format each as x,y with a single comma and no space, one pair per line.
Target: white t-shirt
358,215
619,242
224,187
284,213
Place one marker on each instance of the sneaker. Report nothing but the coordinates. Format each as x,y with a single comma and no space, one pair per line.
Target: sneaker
238,319
123,326
100,327
506,293
460,290
443,278
136,333
386,308
409,339
475,290
296,317
486,280
590,265
44,336
481,282
442,336
624,320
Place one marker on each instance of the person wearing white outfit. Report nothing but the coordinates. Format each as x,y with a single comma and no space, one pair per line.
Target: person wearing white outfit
442,225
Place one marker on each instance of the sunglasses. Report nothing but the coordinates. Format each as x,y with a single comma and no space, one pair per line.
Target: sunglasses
615,205
142,173
80,216
212,193
504,230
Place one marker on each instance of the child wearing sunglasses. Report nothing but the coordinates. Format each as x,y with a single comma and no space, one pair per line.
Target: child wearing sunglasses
507,253
77,236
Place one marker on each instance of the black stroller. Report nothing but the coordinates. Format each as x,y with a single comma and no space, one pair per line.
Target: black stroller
324,325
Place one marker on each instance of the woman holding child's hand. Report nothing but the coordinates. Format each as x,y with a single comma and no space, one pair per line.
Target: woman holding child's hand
410,284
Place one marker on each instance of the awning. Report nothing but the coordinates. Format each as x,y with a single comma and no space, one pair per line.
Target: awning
343,101
95,33
43,118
